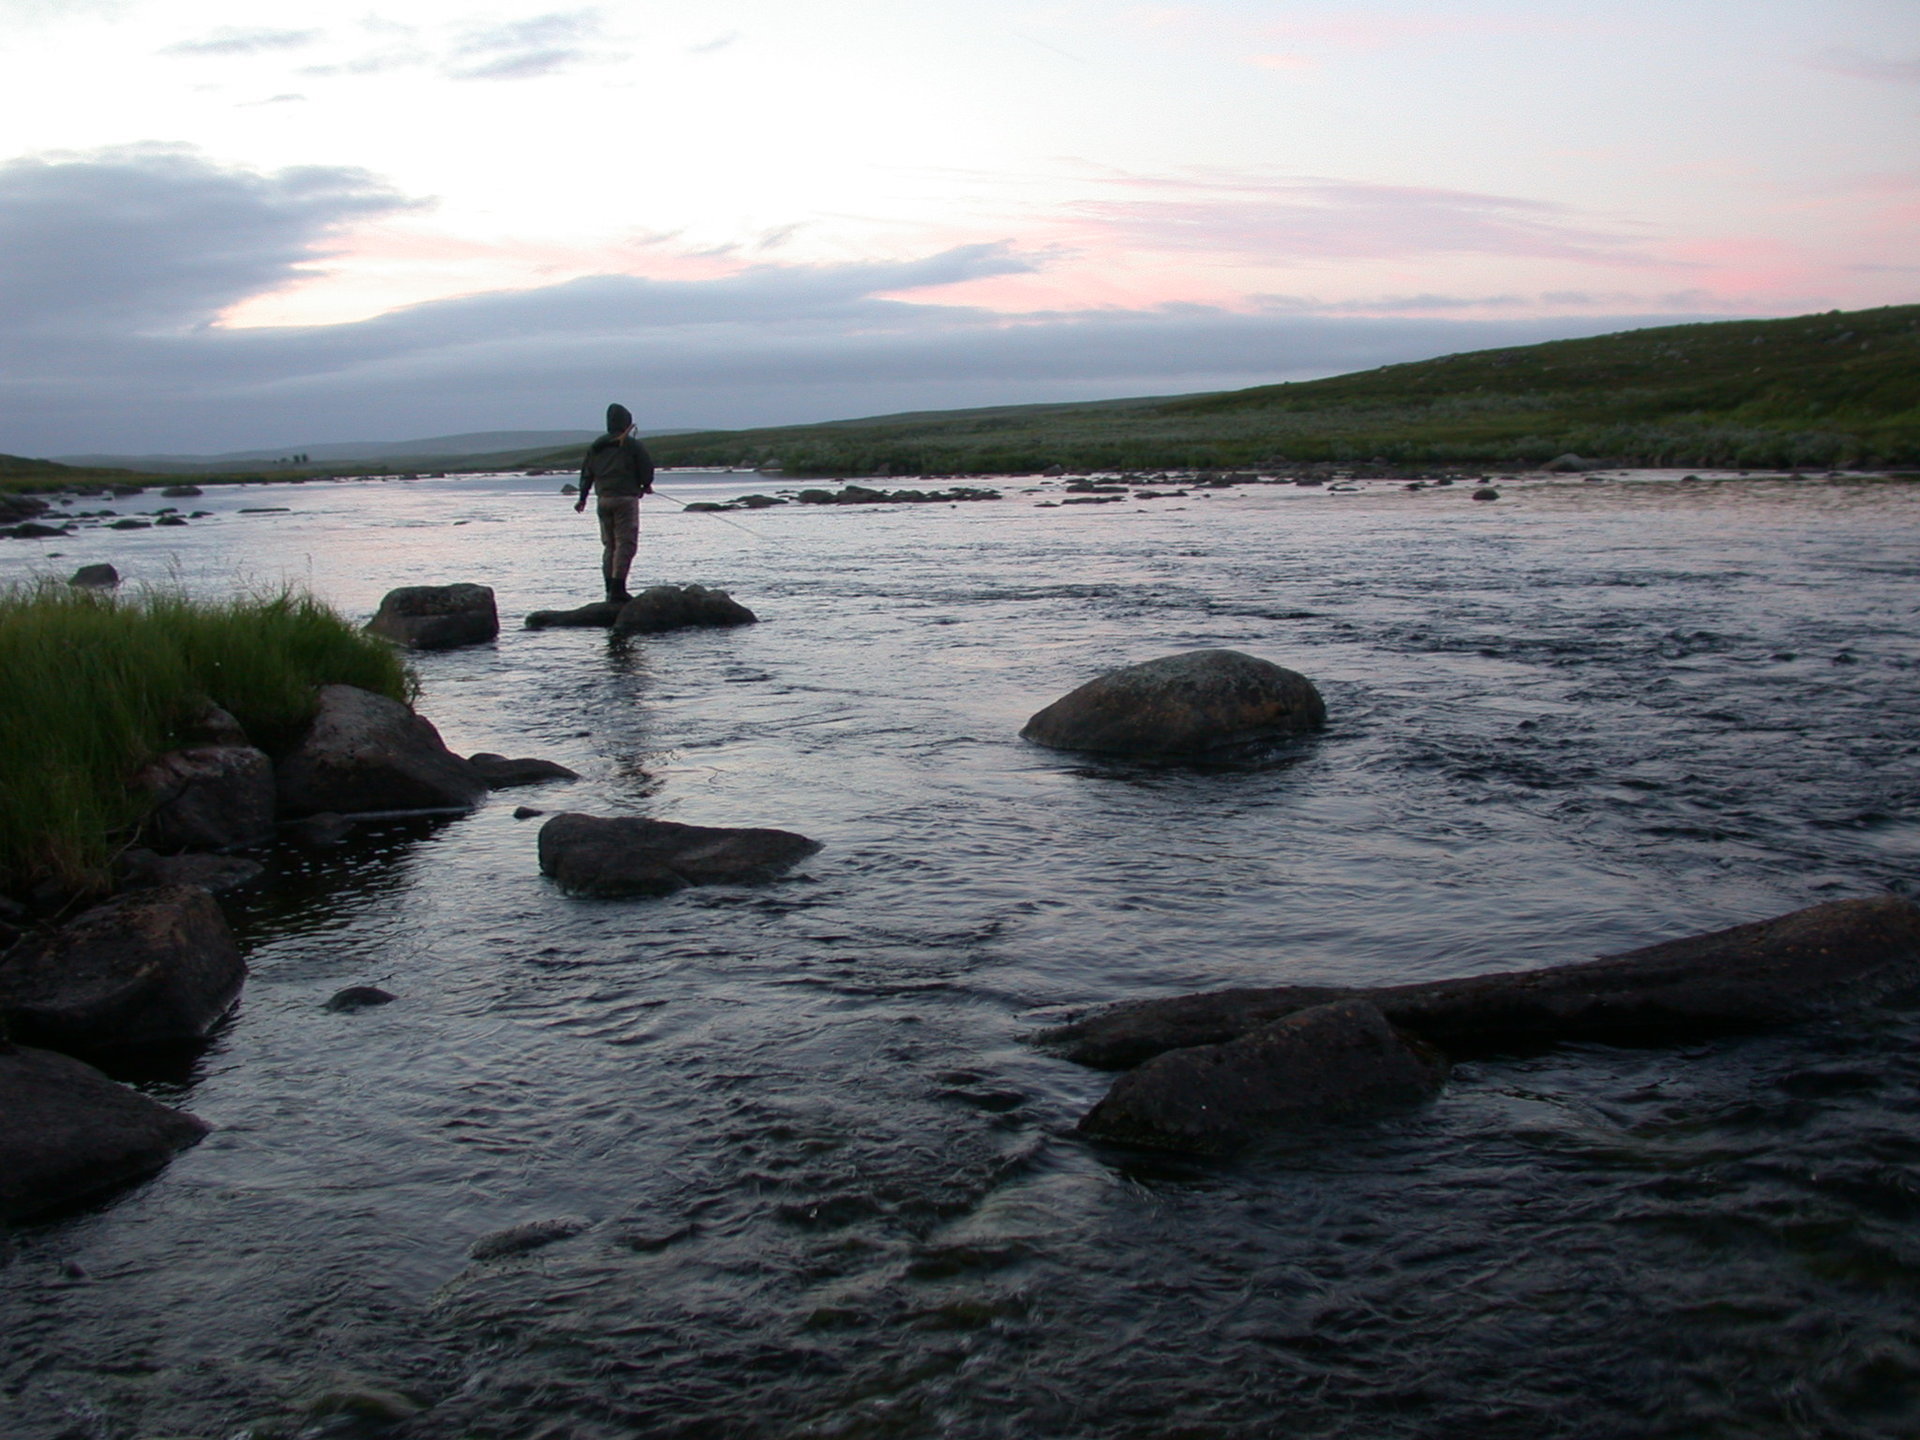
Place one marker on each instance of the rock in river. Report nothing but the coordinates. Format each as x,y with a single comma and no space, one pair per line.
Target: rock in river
95,577
1203,703
660,608
153,967
437,617
67,1132
600,614
365,752
500,773
1329,1062
211,797
1770,972
588,855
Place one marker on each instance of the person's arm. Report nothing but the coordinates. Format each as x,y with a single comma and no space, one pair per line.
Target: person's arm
643,467
586,482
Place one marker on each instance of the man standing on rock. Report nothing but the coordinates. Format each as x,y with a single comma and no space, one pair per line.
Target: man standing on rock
619,466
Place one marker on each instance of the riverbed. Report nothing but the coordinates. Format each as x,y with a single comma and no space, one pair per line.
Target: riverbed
821,1181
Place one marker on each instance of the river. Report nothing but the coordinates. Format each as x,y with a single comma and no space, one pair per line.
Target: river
825,1183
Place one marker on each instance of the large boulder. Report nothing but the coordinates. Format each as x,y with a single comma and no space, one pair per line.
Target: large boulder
95,577
15,507
153,967
68,1132
1203,703
679,607
600,614
1770,972
366,752
211,797
437,617
1329,1062
588,855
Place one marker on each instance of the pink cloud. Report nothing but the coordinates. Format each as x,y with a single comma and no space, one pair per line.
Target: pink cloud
1867,67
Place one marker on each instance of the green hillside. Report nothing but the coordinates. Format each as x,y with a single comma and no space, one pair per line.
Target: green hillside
1815,391
17,472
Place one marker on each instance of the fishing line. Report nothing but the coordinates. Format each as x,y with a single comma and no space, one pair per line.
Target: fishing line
667,495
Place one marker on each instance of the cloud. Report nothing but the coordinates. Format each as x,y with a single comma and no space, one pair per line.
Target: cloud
116,264
1867,67
128,240
1302,218
243,42
527,49
715,45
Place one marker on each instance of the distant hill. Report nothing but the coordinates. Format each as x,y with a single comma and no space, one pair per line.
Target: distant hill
441,451
19,472
1817,390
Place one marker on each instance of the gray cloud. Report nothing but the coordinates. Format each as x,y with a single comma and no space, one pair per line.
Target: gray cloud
127,240
243,42
526,49
1868,67
122,258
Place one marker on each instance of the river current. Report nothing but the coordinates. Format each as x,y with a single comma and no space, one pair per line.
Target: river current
820,1180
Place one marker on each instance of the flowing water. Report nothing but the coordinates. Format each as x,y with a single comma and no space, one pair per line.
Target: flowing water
825,1185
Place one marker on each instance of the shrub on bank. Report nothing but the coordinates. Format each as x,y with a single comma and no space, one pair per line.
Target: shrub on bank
93,686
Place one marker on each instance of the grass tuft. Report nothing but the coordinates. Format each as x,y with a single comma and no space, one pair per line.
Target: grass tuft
94,686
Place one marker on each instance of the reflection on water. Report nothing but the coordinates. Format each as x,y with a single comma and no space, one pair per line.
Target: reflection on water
830,1187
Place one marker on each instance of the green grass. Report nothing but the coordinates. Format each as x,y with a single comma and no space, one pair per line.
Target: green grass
93,686
1814,391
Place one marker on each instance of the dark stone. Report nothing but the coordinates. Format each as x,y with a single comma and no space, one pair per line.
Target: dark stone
527,812
213,797
68,1132
500,773
588,855
358,997
437,617
121,492
170,520
1568,464
210,725
1485,492
129,523
152,967
215,874
1206,702
366,752
34,530
101,577
181,492
600,614
15,508
320,831
1794,967
519,1239
670,607
1329,1062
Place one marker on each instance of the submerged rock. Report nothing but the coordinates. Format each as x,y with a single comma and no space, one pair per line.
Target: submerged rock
358,997
153,967
211,797
533,1235
366,752
1771,972
500,773
600,614
588,855
437,617
95,577
660,608
213,873
68,1132
1205,702
1329,1062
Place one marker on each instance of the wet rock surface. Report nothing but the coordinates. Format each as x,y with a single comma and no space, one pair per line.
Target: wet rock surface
600,614
501,773
1332,1062
1791,968
215,874
365,752
437,617
68,1133
95,577
1200,704
211,797
588,855
661,608
153,967
358,997
533,1235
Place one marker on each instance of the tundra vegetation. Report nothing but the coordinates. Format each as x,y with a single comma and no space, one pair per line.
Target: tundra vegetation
98,685
1816,391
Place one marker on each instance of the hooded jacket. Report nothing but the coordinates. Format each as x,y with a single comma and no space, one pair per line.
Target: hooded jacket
618,467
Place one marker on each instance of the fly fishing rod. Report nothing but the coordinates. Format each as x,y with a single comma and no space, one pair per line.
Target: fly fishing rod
668,495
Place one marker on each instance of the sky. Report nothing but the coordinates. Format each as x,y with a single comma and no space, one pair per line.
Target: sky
224,225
